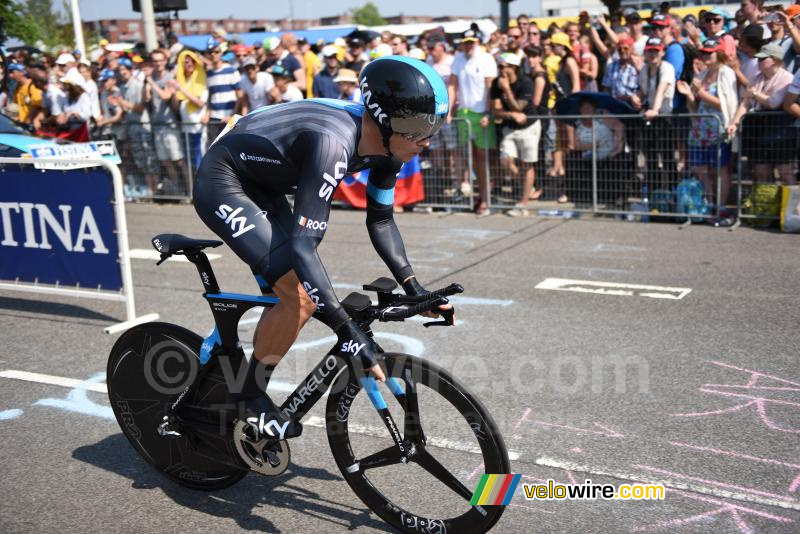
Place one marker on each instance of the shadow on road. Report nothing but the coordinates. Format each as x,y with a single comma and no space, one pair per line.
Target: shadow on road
53,308
239,502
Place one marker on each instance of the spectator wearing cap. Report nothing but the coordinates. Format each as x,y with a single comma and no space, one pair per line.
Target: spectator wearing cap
513,103
356,57
192,95
284,90
399,45
224,85
324,86
27,96
711,94
347,82
65,62
673,53
753,37
714,26
768,141
139,147
621,79
655,101
634,27
785,28
109,123
256,86
474,70
159,92
241,52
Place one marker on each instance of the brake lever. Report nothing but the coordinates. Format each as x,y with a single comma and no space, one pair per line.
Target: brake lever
447,316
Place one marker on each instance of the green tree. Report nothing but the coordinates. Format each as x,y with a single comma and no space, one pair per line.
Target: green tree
31,21
368,15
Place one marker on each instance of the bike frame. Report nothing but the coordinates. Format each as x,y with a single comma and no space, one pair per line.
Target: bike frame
228,309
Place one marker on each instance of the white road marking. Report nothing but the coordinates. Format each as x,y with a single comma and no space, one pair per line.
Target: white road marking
382,432
667,482
613,288
146,254
53,380
81,386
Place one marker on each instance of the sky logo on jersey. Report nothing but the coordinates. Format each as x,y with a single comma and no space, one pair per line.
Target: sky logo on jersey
238,224
495,490
312,224
332,182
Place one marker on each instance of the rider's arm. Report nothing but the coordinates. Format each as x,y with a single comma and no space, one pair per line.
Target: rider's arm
382,229
325,163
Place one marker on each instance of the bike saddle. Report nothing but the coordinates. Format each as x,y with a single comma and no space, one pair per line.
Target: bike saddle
168,244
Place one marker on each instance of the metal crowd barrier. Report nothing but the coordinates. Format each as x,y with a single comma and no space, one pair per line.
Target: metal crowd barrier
769,148
447,168
619,165
159,160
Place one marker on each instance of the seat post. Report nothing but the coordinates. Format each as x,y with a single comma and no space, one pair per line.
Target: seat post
200,261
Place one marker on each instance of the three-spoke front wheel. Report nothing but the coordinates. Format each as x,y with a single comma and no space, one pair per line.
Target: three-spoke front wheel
447,440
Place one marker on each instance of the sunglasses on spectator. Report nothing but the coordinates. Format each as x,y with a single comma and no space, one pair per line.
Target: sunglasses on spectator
715,20
533,33
514,36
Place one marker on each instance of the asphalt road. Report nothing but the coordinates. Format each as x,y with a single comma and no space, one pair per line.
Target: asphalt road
617,384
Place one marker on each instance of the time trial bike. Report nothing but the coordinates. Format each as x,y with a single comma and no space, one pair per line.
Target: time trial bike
414,453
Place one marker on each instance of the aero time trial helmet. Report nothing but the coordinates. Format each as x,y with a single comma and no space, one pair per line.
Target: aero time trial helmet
404,96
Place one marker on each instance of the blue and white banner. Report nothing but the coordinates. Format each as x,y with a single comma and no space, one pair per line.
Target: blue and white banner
58,227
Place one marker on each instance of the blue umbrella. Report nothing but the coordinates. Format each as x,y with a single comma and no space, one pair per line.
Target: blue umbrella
571,104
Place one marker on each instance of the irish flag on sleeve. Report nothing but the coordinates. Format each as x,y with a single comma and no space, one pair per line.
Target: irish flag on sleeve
495,490
408,189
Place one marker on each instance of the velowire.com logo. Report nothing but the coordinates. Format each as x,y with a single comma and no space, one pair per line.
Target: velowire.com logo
495,490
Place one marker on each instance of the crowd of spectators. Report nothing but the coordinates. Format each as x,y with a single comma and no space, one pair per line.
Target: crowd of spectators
164,106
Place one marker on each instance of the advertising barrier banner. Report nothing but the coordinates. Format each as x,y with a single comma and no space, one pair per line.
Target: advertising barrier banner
58,227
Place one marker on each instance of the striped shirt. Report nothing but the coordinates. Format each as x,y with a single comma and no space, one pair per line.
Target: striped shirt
621,80
222,85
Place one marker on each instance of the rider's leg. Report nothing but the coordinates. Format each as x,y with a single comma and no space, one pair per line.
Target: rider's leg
277,330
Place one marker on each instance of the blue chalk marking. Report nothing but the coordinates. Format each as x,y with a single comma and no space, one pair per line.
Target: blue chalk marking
10,414
77,401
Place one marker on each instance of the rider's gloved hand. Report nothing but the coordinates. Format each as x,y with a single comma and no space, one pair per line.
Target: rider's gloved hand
354,343
413,288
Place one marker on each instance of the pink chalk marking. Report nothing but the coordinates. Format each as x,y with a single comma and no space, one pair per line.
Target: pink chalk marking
522,419
755,374
733,509
758,401
715,483
765,388
734,454
737,507
576,449
475,472
679,522
794,485
607,432
571,477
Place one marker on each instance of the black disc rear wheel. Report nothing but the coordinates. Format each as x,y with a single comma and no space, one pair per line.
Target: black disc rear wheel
449,440
149,366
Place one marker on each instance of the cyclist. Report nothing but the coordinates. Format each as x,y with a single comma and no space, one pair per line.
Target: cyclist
305,148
